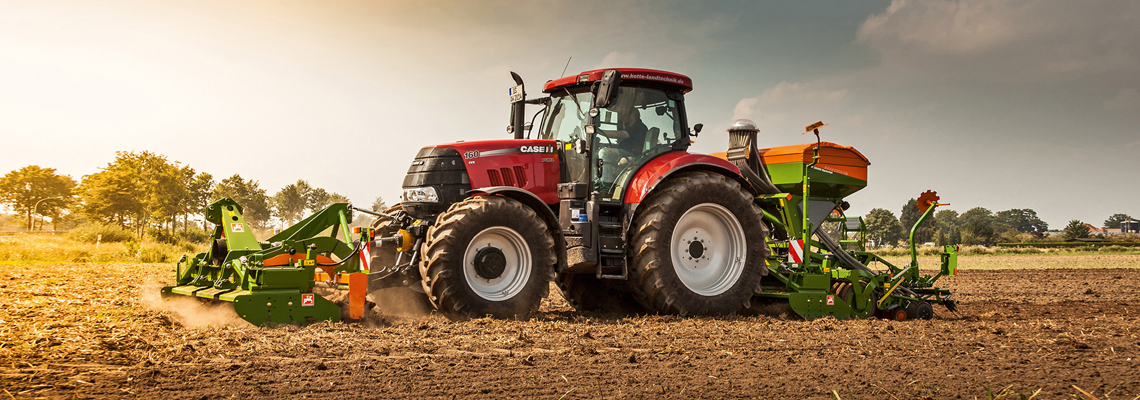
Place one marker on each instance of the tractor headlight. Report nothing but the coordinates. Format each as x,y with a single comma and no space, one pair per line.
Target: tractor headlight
421,195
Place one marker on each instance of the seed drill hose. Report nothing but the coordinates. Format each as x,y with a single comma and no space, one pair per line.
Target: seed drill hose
846,258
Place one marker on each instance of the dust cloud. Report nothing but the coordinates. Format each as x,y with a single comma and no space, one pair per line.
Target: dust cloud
189,312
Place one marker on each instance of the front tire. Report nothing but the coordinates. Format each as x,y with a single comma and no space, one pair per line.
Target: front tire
698,247
488,255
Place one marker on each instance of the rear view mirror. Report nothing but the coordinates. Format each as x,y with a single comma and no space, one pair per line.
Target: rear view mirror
697,129
607,88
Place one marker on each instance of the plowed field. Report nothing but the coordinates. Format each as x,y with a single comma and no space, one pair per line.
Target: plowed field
84,330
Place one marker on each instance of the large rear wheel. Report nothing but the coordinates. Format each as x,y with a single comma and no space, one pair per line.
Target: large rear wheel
488,255
698,247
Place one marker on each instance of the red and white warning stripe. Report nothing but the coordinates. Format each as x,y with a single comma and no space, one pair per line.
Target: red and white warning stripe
365,255
796,251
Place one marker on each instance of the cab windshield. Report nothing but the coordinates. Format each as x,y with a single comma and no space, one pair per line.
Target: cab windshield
639,124
567,116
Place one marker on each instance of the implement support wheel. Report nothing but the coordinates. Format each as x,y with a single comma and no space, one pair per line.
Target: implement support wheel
923,311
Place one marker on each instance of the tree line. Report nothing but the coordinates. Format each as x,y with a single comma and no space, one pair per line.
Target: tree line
144,190
976,226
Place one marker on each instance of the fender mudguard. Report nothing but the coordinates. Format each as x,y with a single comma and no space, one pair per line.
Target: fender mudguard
658,169
541,208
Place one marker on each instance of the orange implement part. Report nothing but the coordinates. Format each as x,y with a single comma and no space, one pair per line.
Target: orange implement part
357,290
829,153
832,157
285,259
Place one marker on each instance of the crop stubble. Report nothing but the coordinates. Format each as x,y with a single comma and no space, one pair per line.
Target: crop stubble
95,330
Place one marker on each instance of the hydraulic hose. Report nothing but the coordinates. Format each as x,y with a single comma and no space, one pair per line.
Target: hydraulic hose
843,255
355,251
846,258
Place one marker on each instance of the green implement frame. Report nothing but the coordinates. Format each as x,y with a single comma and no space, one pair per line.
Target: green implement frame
831,277
272,281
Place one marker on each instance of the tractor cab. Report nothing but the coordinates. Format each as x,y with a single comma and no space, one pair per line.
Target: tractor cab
609,123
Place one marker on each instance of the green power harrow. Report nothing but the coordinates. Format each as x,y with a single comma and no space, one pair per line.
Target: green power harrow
272,281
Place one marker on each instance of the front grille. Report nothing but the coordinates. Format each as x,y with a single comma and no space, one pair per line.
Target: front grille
507,176
443,169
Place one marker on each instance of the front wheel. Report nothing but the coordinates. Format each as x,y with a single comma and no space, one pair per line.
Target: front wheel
488,255
699,247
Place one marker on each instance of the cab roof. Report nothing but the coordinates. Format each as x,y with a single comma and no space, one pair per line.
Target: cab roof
631,74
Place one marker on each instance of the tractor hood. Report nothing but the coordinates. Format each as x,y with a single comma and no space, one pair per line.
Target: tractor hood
452,170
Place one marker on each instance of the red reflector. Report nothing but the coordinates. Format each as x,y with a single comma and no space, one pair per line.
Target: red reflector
356,230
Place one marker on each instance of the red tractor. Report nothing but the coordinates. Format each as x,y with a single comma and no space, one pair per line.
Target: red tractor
601,197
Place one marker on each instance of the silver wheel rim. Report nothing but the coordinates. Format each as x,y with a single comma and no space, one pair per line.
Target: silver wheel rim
718,263
518,264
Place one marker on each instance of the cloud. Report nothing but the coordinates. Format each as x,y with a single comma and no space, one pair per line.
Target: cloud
1126,99
618,59
789,106
1008,41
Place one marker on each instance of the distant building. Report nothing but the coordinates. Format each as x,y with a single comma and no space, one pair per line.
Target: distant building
1130,227
1094,230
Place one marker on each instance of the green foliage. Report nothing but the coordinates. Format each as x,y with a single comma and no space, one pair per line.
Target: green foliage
319,199
379,205
34,190
882,227
1023,220
1076,229
141,190
910,214
977,226
61,248
162,236
247,193
99,231
1114,221
289,202
946,225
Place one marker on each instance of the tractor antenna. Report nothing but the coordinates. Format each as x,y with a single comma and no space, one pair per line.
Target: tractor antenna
567,66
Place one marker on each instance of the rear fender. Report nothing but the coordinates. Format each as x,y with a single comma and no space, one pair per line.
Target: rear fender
539,207
661,168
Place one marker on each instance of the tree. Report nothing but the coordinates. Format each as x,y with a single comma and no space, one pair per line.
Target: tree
379,205
34,190
249,195
977,226
318,199
290,201
338,198
910,214
135,189
1023,220
1114,221
1076,229
946,223
882,227
201,187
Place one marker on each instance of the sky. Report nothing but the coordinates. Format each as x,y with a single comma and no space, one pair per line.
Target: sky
996,104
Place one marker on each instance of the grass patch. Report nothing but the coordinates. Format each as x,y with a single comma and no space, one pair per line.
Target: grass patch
1023,261
1006,251
20,248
